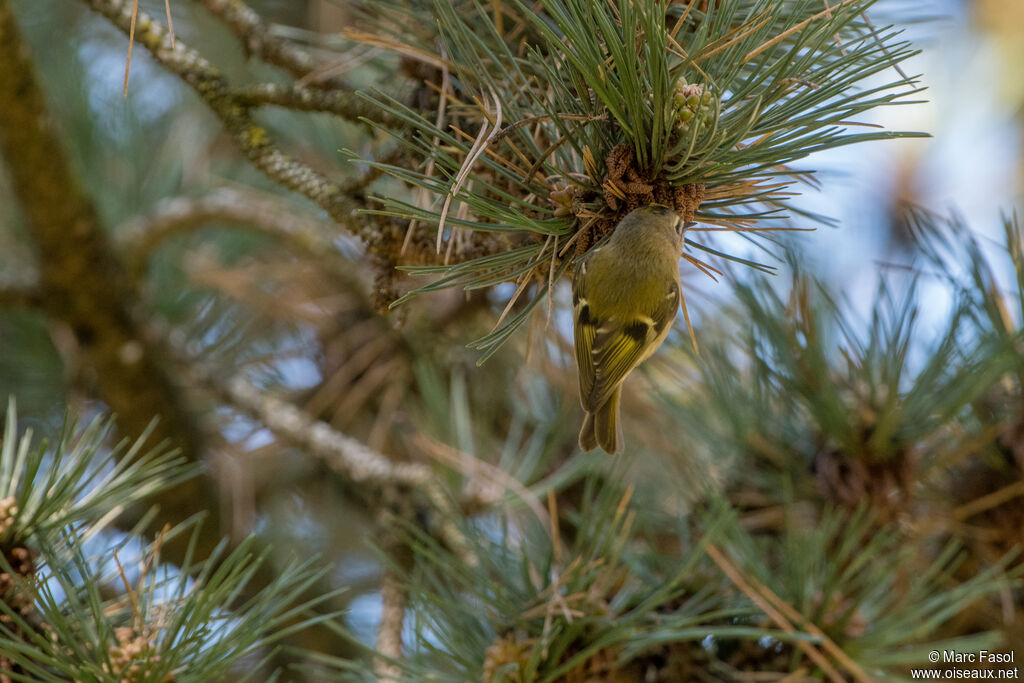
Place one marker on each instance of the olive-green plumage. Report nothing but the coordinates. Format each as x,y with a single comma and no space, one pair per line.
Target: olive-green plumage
625,297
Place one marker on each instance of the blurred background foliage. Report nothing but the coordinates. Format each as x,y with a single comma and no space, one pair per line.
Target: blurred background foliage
846,449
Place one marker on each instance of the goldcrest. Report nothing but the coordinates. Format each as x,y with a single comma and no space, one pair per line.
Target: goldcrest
625,298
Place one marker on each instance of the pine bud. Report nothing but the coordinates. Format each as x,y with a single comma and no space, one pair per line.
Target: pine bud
691,106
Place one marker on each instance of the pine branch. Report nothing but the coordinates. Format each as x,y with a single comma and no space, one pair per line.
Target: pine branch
236,116
257,38
869,424
81,280
599,607
389,632
343,103
345,455
80,484
84,284
378,482
854,583
306,235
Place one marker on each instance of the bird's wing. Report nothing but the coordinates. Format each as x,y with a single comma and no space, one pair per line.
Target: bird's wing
665,314
584,330
618,346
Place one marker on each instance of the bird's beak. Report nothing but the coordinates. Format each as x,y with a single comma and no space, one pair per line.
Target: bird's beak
682,226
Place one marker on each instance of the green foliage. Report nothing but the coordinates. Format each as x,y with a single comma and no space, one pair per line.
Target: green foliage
182,623
609,602
867,590
527,453
799,374
171,625
832,434
79,481
836,443
535,102
975,272
534,608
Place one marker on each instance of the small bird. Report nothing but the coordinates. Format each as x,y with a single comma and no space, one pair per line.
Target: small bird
625,297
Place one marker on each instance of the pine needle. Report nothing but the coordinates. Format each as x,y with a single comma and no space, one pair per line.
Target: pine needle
474,153
741,581
131,42
827,12
989,501
689,325
422,192
170,22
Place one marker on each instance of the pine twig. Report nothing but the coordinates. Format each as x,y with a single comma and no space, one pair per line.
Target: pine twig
343,103
343,454
305,234
389,631
378,481
486,483
258,40
236,116
988,501
83,283
81,280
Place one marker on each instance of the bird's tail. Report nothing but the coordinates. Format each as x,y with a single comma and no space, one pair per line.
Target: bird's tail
588,441
601,427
